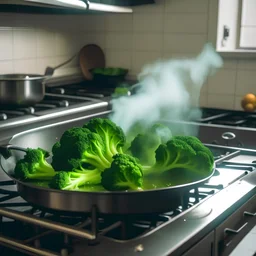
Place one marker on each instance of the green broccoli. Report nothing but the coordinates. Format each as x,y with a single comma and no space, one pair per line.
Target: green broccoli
81,144
111,134
144,145
34,166
183,152
125,173
73,180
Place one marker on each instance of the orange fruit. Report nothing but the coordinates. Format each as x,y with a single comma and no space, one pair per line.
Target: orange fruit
248,99
250,107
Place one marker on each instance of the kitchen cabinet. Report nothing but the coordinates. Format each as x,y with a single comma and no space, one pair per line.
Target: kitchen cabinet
204,247
232,231
49,7
232,27
248,24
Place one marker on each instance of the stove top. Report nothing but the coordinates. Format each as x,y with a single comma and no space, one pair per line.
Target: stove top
227,118
60,103
28,229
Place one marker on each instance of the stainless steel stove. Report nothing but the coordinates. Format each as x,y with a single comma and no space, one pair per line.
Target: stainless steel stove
60,103
227,127
209,219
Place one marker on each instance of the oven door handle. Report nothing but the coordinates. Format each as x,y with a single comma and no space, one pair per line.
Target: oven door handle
250,214
234,237
235,231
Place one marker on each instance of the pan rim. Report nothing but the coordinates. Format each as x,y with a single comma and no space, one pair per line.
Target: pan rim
126,192
21,77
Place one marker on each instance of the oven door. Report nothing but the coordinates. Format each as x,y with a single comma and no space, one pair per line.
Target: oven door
234,229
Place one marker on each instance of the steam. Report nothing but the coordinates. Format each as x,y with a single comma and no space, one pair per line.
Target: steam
167,90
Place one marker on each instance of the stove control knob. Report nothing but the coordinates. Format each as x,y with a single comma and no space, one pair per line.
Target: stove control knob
227,136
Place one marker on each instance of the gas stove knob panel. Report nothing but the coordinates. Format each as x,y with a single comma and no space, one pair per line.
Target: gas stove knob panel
228,137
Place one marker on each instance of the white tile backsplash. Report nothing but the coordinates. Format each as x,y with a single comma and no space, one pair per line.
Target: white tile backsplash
118,59
6,45
45,43
139,59
221,101
144,22
187,23
223,82
147,41
184,43
119,41
24,43
186,6
42,63
25,66
6,66
119,22
167,29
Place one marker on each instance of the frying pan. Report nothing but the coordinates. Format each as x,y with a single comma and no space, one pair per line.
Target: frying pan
106,202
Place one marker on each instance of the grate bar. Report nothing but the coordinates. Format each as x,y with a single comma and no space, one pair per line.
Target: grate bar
12,243
70,230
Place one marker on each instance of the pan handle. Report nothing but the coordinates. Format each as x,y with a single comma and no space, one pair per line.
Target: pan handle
5,150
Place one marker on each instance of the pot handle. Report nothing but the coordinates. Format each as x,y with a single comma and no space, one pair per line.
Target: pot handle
5,150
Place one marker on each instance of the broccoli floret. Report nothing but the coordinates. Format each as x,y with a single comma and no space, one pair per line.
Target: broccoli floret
112,135
81,144
125,173
144,145
73,180
183,152
34,166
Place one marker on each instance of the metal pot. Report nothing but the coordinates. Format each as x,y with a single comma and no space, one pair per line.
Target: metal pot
25,89
21,89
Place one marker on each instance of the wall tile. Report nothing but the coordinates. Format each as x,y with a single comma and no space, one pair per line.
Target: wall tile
118,22
186,6
229,64
184,43
42,63
6,44
223,82
147,41
246,65
220,101
24,43
45,43
203,100
61,59
92,38
245,82
145,23
118,41
188,23
93,23
118,59
6,67
139,59
67,43
25,66
238,103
